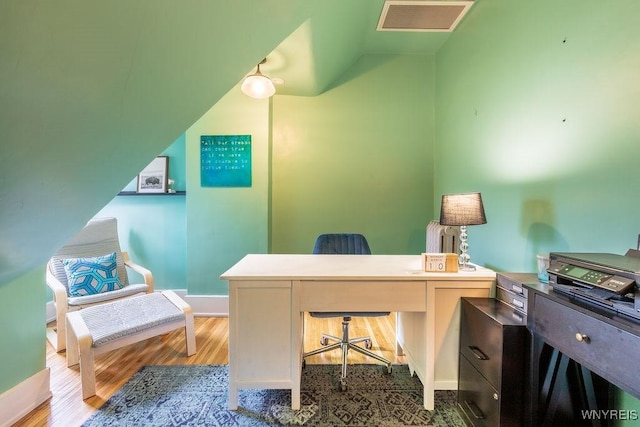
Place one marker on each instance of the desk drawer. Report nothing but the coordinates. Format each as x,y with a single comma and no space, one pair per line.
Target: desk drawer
356,295
601,347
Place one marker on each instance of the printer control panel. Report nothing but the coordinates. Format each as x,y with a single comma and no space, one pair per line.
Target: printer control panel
589,278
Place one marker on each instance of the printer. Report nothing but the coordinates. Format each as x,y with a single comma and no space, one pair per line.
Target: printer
606,281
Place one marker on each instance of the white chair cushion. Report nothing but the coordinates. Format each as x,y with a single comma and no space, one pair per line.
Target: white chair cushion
107,296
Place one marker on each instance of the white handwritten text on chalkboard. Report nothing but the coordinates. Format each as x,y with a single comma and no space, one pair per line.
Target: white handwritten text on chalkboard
225,160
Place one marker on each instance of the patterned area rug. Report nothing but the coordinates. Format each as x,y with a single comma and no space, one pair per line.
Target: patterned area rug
198,396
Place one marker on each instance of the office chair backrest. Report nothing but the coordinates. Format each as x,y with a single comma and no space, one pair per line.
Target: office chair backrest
342,243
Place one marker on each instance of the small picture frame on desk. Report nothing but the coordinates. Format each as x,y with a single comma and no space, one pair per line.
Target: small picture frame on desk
154,177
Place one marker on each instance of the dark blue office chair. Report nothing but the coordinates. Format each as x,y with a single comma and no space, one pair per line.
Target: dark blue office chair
355,244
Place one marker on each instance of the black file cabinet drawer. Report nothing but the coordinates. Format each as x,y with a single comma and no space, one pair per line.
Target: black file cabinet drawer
515,300
494,344
481,341
510,289
478,401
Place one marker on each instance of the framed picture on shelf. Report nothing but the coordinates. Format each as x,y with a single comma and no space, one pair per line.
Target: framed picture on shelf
153,178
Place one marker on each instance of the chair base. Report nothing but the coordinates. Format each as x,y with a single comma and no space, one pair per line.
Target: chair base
55,340
346,344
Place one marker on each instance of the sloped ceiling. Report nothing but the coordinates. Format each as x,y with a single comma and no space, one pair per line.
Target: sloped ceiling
324,47
90,91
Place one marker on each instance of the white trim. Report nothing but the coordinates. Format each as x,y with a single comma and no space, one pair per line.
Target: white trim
445,385
202,305
207,305
18,401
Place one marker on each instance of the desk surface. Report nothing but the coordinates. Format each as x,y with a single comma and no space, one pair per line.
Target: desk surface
350,267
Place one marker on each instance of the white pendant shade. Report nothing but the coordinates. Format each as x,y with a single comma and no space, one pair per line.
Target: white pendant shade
258,86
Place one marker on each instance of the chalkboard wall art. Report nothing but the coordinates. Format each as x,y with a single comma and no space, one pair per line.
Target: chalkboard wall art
225,160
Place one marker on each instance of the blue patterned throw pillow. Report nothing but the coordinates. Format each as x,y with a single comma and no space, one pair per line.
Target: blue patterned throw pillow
92,275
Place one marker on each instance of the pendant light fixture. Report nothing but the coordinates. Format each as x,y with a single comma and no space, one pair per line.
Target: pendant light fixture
257,85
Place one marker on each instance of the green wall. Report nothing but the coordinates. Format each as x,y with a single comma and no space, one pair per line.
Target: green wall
153,228
357,158
537,108
91,91
18,352
351,159
189,241
226,223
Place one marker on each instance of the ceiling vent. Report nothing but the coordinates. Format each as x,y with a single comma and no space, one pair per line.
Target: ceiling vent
419,15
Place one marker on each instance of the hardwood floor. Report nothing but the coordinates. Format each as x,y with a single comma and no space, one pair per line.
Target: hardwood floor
67,409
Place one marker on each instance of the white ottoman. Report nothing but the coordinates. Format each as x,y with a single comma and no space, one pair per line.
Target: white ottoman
102,328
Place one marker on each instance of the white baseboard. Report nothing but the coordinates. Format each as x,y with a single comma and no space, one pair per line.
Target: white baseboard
18,401
445,385
206,305
202,305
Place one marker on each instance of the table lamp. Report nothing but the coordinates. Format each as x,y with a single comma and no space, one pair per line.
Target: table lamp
462,209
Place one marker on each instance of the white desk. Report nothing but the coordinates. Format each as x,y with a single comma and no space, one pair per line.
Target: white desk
269,293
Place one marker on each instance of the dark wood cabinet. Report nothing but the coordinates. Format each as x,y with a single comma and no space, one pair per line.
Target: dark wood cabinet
535,357
580,354
494,343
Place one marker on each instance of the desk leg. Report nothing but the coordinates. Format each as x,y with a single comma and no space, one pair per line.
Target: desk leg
233,396
399,350
233,386
430,353
295,397
297,345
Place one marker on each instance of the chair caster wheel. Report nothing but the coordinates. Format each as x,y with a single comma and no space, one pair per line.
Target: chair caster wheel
368,344
389,369
324,341
342,386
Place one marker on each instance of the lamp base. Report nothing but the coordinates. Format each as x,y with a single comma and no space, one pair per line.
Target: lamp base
467,267
464,256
